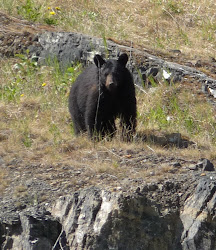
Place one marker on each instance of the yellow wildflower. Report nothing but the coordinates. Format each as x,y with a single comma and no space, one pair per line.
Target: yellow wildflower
57,8
44,84
21,95
49,8
52,13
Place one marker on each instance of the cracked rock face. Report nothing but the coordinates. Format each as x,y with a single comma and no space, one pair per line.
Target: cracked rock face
95,218
198,217
29,230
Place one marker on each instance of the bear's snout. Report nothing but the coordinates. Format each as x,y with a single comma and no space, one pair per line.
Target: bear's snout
110,83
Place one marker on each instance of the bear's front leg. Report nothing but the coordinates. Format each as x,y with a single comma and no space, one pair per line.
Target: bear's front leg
91,123
92,116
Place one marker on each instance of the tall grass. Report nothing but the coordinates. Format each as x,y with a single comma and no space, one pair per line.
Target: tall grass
34,108
35,103
176,109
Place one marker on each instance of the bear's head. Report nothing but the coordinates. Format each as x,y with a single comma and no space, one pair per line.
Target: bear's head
112,72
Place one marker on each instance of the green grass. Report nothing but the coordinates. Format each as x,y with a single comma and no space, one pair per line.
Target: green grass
178,109
30,10
36,97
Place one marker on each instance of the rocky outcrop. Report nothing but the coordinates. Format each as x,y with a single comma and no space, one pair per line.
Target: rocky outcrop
97,219
30,229
198,217
68,48
16,35
164,215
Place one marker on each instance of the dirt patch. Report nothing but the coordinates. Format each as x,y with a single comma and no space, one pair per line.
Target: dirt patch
125,170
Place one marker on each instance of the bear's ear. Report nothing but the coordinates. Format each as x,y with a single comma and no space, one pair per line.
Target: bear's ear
99,61
123,58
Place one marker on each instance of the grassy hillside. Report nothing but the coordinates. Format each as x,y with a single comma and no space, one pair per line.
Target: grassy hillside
34,120
163,24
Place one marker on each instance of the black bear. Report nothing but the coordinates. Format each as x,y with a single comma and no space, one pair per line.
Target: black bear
101,93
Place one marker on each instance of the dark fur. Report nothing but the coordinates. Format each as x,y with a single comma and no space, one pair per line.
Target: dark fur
115,89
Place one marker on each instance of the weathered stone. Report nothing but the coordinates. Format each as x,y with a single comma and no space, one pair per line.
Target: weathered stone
35,230
20,36
97,219
176,164
193,167
198,217
152,187
207,165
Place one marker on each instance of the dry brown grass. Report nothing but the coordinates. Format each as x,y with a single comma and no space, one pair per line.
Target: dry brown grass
155,24
4,181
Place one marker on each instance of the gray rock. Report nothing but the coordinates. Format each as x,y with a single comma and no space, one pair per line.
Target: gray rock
68,47
206,165
193,167
94,218
176,164
198,217
97,219
33,230
1,161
